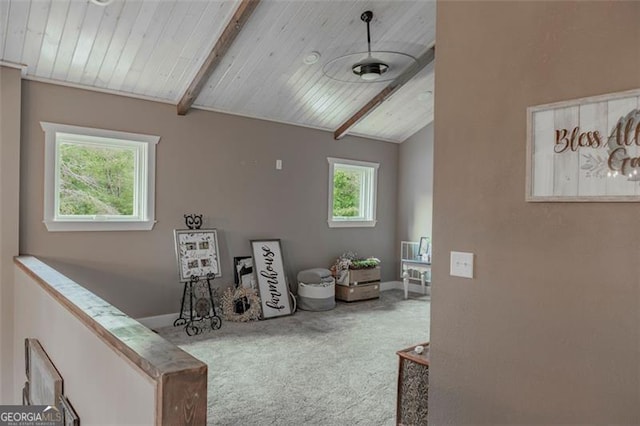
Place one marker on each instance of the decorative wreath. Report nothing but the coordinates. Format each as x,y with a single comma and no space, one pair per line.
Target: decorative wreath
241,304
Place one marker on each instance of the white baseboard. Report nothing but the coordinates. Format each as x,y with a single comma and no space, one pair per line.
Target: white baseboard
158,321
390,285
166,320
397,285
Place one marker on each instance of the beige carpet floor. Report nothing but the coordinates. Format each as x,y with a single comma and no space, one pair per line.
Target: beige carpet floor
336,367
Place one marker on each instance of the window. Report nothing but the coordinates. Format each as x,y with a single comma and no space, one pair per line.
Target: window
352,193
98,180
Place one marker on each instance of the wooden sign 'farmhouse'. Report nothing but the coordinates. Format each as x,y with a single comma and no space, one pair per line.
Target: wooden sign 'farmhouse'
271,277
585,150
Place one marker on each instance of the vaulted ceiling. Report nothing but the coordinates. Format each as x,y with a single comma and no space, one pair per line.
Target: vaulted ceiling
155,48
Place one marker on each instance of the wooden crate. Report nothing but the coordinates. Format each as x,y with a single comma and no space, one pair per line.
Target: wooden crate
354,293
364,275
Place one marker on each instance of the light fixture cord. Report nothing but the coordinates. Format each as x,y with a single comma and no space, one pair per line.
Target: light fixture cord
368,39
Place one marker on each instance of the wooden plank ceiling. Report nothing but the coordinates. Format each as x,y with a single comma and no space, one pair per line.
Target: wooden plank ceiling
154,49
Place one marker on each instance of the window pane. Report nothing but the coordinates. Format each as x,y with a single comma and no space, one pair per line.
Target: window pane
347,185
96,180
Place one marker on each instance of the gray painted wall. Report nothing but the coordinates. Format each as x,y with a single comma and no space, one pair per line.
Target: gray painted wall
9,188
548,331
220,165
415,186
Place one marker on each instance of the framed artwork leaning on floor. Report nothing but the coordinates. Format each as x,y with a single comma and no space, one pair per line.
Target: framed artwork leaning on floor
271,278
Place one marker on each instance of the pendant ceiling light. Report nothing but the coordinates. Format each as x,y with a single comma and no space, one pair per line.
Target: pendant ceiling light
370,68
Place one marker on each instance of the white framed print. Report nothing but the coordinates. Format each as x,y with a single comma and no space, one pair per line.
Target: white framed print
197,253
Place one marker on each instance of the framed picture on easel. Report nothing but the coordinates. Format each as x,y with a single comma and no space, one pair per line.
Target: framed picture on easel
197,253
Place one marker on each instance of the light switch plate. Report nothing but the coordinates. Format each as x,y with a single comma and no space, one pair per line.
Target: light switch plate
461,264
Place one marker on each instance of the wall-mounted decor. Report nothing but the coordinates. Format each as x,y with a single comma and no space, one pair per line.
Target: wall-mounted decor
585,150
25,394
70,416
44,382
27,350
243,275
271,277
197,253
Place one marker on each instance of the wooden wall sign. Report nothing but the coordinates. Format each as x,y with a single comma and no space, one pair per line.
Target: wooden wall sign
44,382
585,150
271,277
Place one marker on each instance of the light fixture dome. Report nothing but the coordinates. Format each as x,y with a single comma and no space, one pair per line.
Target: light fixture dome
371,69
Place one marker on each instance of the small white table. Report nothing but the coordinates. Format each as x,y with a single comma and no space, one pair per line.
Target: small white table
412,265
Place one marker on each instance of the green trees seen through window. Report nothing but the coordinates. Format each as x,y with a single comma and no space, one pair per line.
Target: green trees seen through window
96,180
346,193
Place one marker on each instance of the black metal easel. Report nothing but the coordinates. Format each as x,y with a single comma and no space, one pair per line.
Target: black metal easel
197,294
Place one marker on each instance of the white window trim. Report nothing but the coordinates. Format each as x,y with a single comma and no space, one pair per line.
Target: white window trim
346,223
97,223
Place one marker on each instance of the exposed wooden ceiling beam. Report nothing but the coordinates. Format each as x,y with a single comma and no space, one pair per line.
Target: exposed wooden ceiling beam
231,31
421,62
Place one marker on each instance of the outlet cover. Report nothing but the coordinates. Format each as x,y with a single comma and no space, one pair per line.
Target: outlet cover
461,264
